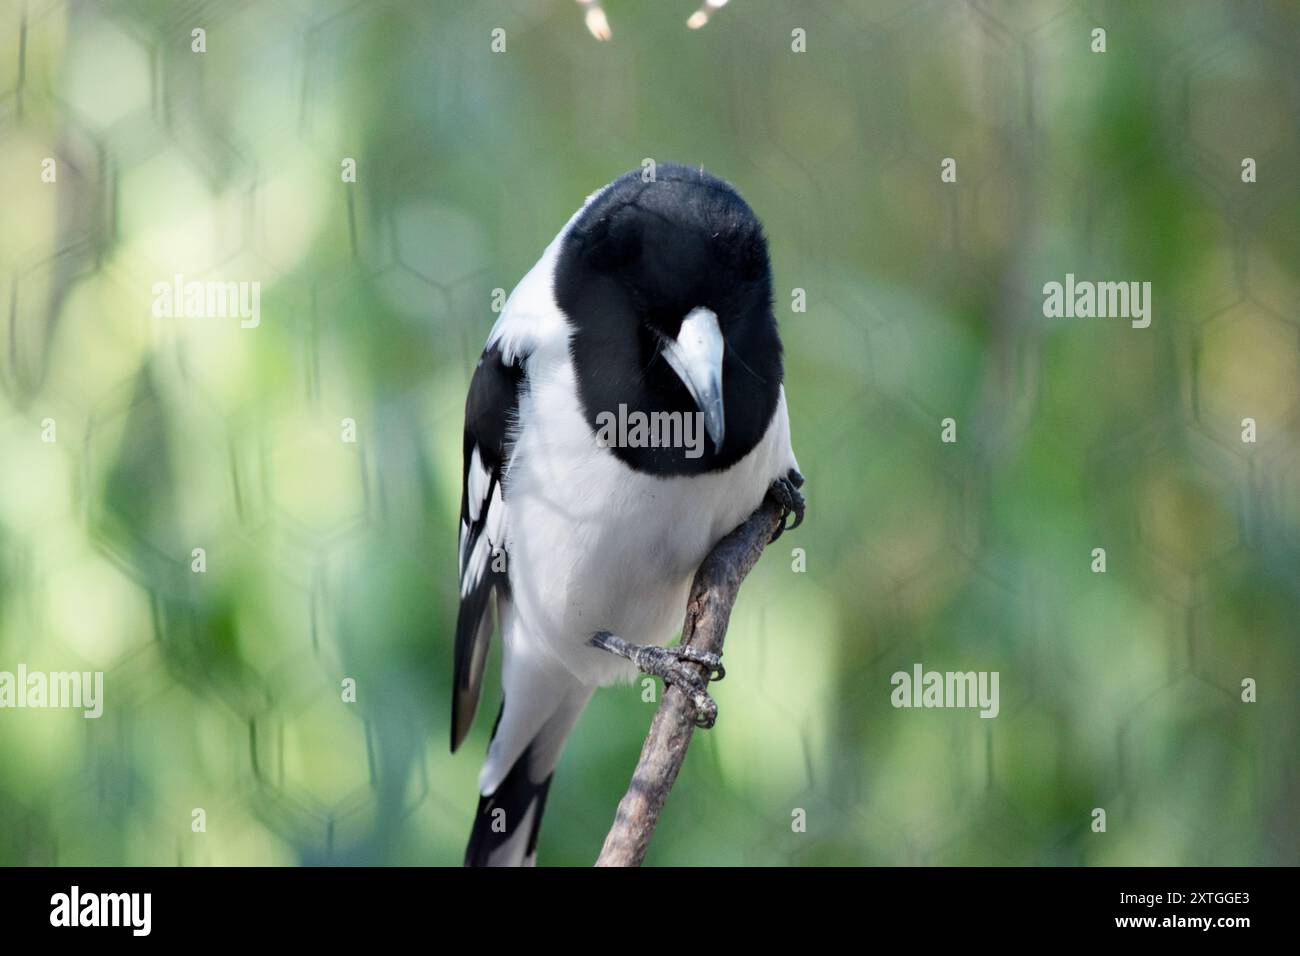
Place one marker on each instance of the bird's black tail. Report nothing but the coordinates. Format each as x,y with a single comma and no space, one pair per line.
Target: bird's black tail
507,823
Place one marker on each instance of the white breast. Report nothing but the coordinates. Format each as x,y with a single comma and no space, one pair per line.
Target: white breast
594,545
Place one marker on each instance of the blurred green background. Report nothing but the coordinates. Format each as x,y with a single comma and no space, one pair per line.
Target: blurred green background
328,560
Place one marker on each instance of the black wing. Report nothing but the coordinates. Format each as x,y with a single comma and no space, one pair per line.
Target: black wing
490,413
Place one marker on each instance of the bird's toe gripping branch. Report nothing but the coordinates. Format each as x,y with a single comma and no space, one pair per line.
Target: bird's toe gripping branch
785,491
673,665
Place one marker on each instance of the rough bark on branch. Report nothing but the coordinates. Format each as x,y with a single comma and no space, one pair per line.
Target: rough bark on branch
713,593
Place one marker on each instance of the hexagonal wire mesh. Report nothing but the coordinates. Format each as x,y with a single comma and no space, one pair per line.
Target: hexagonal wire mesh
232,519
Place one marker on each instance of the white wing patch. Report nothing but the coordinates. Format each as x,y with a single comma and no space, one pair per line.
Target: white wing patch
472,570
476,485
464,541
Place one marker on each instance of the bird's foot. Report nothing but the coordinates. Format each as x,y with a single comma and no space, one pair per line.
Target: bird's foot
673,666
785,491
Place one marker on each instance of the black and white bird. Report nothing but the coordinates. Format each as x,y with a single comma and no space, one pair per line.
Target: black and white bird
655,297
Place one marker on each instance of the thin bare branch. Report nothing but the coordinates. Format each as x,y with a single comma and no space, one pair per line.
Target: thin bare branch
713,593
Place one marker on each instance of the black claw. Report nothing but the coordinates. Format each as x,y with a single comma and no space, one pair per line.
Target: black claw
712,663
706,711
798,517
785,491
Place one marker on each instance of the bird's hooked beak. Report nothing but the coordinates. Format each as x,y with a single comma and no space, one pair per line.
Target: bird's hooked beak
696,356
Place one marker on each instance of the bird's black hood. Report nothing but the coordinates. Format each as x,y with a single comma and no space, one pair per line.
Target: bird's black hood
637,260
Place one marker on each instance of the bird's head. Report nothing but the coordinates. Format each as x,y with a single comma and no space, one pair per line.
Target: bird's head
668,290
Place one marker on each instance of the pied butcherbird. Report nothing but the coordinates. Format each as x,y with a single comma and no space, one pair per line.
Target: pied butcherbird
655,298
